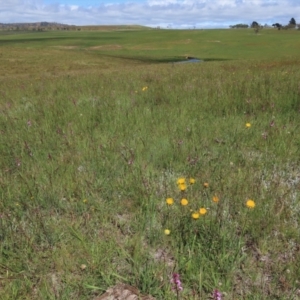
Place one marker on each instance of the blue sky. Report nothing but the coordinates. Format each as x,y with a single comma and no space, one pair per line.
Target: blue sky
163,13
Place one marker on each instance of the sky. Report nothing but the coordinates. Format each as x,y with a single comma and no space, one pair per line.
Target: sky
174,14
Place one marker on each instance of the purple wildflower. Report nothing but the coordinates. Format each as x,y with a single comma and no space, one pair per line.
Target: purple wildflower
176,283
217,295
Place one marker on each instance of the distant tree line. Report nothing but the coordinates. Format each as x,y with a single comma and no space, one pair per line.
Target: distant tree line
239,26
257,27
292,24
38,26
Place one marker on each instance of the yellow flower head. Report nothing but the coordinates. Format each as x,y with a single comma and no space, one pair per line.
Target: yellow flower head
181,181
167,232
195,215
202,211
84,200
192,180
182,186
184,202
170,201
144,88
248,125
250,203
215,199
205,184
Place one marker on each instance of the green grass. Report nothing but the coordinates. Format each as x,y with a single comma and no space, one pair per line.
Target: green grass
88,158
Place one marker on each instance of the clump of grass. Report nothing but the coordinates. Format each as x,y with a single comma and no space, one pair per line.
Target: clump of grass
206,241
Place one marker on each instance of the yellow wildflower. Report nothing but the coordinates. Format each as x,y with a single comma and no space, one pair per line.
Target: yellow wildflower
195,215
170,201
182,187
248,125
205,184
184,202
202,211
167,231
181,181
215,199
192,180
250,203
145,88
84,200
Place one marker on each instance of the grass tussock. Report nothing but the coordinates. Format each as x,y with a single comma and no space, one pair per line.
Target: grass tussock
95,164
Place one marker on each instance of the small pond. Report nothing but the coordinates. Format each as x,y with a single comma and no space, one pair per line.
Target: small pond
189,60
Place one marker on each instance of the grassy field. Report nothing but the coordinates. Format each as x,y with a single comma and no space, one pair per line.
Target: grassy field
118,165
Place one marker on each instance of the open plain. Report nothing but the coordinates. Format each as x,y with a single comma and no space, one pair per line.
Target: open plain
119,166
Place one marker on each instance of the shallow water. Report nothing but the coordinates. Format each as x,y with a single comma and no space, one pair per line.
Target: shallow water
192,60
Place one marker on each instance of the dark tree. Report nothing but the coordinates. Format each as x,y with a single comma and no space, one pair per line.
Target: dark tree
292,22
277,25
254,24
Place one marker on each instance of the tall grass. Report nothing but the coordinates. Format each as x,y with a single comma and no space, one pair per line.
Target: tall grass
88,161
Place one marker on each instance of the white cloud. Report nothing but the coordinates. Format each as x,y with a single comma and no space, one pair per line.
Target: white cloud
176,13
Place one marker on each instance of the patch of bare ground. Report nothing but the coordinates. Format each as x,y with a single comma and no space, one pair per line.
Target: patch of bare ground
268,272
187,41
106,47
123,291
163,256
65,47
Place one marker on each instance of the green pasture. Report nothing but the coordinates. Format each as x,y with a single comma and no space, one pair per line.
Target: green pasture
73,51
96,128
